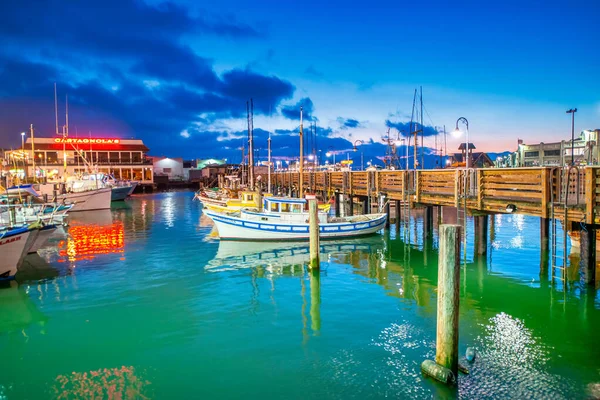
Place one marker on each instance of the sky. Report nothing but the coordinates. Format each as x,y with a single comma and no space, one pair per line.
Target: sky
179,74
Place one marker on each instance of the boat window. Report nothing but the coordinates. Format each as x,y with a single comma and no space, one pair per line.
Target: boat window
285,207
297,208
249,198
275,207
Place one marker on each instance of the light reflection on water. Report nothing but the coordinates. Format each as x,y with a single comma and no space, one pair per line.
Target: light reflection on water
358,329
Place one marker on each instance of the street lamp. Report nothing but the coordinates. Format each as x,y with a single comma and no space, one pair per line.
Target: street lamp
457,132
572,111
331,153
23,141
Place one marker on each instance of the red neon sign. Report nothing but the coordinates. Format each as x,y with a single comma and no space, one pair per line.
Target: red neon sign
87,141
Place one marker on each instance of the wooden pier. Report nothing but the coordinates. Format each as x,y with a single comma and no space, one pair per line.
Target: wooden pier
569,196
540,192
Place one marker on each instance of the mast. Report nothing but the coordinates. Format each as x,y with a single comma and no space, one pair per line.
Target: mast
415,132
56,108
251,145
269,163
65,134
33,153
301,179
422,133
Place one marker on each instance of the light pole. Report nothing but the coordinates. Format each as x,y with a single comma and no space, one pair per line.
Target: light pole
457,131
23,141
331,153
362,167
572,111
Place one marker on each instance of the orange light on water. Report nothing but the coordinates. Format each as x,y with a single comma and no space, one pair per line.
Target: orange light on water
85,242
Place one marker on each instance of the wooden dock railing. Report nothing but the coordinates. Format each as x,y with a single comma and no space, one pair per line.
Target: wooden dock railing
544,192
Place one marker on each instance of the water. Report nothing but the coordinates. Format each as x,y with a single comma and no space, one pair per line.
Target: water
142,302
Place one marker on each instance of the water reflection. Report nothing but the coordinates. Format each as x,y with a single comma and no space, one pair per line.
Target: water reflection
17,310
91,234
108,383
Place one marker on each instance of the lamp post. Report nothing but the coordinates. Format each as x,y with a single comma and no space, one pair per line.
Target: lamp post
331,153
22,141
457,131
572,111
362,167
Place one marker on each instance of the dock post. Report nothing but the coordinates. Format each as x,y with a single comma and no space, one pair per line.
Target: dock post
365,205
350,205
588,253
481,234
315,300
544,249
398,215
313,229
445,367
337,204
427,222
387,212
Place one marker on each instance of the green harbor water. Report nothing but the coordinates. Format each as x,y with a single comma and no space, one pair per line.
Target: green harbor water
143,302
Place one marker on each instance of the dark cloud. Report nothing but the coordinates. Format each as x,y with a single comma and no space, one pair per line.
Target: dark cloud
293,112
346,123
405,128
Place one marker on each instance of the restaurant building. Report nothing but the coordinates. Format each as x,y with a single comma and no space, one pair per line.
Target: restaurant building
124,158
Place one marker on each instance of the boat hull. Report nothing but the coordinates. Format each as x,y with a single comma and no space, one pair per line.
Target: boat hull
13,248
89,200
42,237
119,193
234,228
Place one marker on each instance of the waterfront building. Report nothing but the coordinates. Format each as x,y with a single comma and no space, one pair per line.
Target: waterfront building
476,160
584,150
170,167
124,158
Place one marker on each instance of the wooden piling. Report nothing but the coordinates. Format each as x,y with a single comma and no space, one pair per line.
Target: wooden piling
587,246
448,298
350,205
337,204
313,233
398,215
544,233
365,205
387,212
481,234
315,299
428,222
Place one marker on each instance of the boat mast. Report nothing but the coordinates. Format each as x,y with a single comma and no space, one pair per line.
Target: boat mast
33,153
269,163
422,133
65,135
249,111
301,179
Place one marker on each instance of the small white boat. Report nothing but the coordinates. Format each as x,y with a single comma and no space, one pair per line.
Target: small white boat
287,219
14,244
43,235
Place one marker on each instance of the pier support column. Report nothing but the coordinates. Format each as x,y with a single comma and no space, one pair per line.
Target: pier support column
481,235
398,215
428,222
337,204
350,205
445,367
588,253
387,212
365,205
544,247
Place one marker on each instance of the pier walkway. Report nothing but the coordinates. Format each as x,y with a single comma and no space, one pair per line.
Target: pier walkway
547,192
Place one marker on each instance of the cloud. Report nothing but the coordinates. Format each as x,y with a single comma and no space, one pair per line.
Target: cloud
405,128
293,112
185,134
346,123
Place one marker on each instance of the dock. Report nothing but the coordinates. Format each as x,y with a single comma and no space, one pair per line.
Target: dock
569,196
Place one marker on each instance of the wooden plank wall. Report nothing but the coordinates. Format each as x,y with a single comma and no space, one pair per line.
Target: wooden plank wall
530,190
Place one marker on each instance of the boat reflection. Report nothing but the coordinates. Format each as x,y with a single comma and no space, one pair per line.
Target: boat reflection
17,310
92,234
283,255
35,267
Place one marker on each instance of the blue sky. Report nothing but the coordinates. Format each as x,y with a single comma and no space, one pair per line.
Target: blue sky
178,74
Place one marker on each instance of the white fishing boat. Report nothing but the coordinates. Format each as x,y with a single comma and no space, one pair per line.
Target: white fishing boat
82,194
14,244
287,219
42,237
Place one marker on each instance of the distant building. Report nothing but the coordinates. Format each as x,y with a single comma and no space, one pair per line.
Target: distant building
476,160
584,150
202,163
170,167
124,158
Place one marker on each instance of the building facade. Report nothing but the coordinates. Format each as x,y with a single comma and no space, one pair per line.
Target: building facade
584,150
45,158
170,167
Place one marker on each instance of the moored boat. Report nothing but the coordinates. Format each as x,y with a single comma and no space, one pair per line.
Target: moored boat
287,219
14,244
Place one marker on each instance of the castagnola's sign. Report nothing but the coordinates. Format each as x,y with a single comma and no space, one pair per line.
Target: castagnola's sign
86,141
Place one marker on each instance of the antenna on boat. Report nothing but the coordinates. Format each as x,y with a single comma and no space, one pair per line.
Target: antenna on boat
301,178
56,108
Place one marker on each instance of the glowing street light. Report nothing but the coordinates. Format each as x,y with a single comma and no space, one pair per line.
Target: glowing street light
22,140
457,132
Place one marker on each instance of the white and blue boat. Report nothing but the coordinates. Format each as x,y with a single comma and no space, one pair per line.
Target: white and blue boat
14,246
287,219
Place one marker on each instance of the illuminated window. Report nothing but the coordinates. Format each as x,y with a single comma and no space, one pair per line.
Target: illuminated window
274,207
285,207
147,174
137,174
